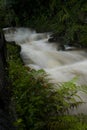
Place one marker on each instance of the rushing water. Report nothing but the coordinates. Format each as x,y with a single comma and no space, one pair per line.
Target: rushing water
61,66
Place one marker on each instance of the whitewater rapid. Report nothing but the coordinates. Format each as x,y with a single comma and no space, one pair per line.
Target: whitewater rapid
61,66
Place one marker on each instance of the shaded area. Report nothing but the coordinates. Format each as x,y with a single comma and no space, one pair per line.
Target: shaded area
5,119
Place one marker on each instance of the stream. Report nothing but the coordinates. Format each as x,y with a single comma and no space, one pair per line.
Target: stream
62,66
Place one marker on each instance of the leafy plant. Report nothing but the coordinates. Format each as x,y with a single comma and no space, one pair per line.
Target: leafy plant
38,104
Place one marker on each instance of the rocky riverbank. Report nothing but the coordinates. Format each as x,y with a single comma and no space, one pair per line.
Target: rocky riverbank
63,45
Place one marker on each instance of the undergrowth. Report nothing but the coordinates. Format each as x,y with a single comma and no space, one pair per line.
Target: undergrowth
37,104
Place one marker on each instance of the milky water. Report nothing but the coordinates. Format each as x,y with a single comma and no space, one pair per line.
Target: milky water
61,66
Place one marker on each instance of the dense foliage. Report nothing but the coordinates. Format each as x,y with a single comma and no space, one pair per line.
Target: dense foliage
38,106
66,18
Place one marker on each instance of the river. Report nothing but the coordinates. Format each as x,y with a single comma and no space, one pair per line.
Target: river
38,53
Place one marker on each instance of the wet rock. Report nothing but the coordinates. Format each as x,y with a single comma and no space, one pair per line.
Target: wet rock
62,45
52,39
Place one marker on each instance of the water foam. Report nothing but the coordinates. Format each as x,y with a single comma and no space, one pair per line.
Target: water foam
37,53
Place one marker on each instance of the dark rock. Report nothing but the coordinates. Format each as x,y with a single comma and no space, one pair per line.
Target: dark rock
52,39
13,23
56,38
3,63
59,40
5,120
61,47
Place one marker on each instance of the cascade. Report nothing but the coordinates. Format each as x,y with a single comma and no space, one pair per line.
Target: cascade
61,66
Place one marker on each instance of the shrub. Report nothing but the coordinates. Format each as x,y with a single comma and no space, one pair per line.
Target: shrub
39,106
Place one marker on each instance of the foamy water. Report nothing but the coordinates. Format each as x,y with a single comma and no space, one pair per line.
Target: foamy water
61,66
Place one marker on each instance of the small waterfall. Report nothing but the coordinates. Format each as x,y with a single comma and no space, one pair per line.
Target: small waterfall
61,66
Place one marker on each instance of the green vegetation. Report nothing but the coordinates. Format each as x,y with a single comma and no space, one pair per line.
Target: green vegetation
38,105
67,19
